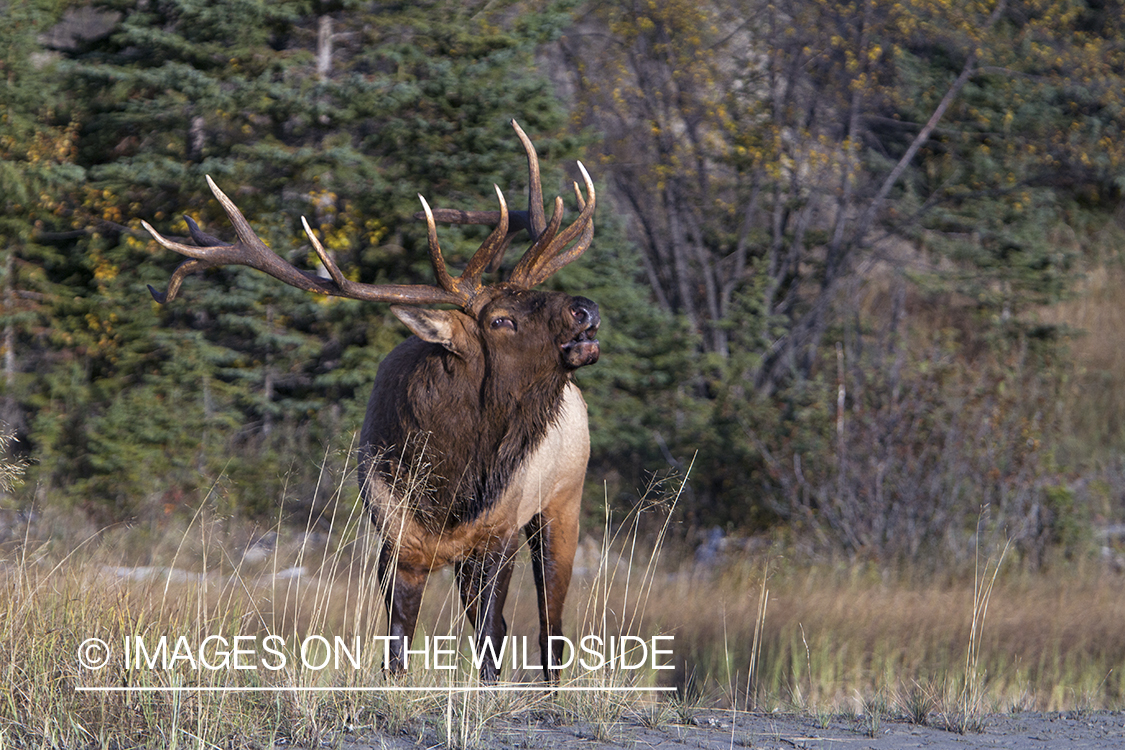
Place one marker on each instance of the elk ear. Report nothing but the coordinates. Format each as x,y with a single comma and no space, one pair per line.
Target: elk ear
435,326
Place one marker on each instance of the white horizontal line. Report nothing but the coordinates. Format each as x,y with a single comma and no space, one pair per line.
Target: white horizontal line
383,689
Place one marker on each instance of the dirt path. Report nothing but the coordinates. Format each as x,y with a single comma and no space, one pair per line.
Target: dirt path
712,731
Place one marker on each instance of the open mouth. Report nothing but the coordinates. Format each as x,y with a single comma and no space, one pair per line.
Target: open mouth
583,349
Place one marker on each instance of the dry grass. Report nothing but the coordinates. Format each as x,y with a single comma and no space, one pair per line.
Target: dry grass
211,577
836,637
1095,404
759,630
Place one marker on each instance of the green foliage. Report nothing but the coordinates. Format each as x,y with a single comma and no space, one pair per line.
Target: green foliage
1065,522
799,219
36,171
244,384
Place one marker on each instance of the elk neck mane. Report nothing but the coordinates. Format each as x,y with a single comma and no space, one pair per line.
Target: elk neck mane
446,399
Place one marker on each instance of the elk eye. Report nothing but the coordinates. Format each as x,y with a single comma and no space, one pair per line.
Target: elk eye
508,323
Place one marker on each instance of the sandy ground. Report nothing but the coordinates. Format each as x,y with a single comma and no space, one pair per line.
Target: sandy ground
714,730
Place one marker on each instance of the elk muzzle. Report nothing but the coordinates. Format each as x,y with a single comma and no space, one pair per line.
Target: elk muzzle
583,349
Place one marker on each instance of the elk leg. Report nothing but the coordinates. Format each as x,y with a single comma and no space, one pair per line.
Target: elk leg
552,541
402,586
483,580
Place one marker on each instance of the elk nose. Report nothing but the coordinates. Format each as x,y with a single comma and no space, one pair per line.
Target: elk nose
585,312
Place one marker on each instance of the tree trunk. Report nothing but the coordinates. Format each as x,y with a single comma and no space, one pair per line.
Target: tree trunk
324,48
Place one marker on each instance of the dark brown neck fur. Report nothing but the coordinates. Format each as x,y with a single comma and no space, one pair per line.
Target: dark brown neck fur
411,426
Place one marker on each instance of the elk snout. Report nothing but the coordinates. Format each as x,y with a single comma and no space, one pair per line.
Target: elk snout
585,312
583,349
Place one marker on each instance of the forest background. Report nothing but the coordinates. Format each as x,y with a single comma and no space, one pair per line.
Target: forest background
858,262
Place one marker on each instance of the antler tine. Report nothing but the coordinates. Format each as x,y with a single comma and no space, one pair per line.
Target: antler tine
437,260
326,259
401,293
493,246
251,251
535,213
498,256
545,262
548,252
522,272
178,276
533,219
188,266
554,264
199,237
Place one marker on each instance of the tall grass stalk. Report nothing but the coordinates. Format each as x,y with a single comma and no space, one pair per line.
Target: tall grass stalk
756,643
970,704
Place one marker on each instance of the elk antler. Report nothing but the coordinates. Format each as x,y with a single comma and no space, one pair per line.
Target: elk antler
545,257
548,252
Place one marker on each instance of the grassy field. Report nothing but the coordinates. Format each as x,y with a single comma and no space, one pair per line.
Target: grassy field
758,630
266,639
840,638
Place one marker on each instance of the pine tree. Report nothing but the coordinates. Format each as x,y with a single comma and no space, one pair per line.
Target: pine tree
37,172
340,114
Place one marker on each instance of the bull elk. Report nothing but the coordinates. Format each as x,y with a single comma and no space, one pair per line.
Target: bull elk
480,400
